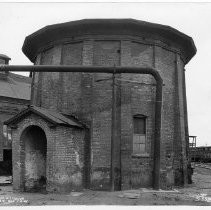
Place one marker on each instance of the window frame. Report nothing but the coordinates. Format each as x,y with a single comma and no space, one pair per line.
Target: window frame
140,153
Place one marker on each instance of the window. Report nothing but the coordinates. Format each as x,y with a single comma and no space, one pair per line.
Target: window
139,134
7,133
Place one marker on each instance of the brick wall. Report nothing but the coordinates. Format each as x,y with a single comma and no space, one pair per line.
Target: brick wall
165,64
137,170
65,157
79,94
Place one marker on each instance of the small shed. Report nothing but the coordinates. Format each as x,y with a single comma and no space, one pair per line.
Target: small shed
49,150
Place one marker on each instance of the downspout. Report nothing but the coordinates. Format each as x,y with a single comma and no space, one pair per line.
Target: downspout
118,70
189,175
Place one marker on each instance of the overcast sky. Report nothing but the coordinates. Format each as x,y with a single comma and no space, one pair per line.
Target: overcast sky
17,20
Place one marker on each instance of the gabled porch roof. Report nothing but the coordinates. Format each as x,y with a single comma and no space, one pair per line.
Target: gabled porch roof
55,118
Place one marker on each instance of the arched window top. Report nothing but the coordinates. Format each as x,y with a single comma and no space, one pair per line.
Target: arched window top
139,116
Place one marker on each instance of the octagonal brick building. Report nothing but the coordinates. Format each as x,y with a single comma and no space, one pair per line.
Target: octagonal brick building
77,150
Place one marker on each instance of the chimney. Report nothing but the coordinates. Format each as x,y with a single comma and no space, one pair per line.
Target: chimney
4,60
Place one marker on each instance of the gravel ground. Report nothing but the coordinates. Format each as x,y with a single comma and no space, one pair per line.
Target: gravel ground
196,194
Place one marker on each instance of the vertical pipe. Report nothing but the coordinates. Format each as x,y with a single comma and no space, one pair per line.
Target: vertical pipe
157,142
100,69
32,88
113,132
180,120
186,115
40,78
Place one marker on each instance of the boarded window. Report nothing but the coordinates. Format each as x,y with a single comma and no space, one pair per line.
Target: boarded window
139,135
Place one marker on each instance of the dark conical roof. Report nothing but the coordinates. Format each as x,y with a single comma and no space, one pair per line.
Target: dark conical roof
133,27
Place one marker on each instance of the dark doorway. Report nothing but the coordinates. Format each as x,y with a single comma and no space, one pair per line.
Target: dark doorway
7,155
6,164
35,145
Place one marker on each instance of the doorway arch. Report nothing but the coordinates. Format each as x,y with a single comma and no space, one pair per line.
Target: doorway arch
34,161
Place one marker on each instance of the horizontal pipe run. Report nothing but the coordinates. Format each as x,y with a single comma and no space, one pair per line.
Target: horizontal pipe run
85,69
113,70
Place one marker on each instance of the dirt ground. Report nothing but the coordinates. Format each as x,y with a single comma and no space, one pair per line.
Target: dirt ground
197,194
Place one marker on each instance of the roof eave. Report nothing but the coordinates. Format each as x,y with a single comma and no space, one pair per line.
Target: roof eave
30,48
18,117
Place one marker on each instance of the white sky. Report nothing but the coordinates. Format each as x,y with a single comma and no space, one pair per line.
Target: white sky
17,20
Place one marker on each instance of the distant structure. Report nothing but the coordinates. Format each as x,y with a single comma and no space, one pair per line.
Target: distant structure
63,141
15,93
200,154
192,141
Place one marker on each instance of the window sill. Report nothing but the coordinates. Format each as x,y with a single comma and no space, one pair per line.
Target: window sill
140,155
